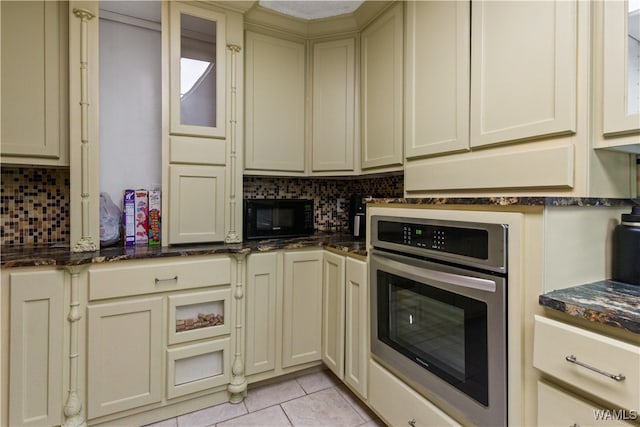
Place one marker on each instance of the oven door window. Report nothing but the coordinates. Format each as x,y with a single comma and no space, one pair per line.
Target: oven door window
444,332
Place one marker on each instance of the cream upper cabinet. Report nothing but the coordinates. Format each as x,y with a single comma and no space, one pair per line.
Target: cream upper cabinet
621,67
437,67
616,74
523,77
197,71
333,136
196,203
382,90
34,83
531,124
275,104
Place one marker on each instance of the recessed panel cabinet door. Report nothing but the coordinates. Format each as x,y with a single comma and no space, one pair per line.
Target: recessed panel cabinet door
34,98
196,203
35,348
356,326
523,75
333,130
262,309
381,84
333,313
275,104
621,34
124,353
437,67
302,311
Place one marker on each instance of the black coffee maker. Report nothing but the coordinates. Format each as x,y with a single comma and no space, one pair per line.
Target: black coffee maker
358,216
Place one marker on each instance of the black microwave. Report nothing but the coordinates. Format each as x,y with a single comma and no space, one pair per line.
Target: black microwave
271,218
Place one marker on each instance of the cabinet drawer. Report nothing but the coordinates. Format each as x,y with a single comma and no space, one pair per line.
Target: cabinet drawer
398,404
555,342
138,278
557,408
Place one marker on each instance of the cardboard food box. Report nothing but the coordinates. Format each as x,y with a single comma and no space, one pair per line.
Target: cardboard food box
154,218
142,217
129,217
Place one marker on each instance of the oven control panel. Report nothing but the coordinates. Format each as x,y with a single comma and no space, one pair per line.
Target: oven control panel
471,242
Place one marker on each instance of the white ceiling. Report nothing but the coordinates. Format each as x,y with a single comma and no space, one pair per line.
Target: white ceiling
312,9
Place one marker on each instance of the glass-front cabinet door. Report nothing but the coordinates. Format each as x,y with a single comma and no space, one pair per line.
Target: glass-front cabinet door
197,70
621,66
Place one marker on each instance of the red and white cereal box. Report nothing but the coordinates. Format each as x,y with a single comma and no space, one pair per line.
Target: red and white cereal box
142,217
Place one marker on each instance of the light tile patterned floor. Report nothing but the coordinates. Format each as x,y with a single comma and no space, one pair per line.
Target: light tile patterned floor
315,399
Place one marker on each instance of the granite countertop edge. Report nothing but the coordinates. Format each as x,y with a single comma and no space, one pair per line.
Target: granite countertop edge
33,256
508,201
607,302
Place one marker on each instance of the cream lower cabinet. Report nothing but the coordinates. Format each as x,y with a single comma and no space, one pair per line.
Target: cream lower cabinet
124,355
398,404
157,331
33,322
284,309
596,366
344,320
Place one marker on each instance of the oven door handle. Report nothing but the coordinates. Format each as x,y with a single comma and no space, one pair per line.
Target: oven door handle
404,265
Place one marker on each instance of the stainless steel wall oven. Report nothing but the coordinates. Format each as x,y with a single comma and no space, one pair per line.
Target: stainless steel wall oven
438,311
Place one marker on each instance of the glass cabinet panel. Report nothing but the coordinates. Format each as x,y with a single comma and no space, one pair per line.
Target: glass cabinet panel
621,64
197,71
633,57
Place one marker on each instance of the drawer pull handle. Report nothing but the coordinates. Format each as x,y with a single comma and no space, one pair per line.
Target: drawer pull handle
572,359
170,279
412,423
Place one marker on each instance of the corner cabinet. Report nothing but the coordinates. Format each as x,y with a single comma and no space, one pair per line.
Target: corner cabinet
345,337
34,83
381,84
283,312
275,104
33,324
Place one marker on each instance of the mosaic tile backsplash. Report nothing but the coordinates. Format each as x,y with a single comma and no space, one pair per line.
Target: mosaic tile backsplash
324,192
34,203
34,206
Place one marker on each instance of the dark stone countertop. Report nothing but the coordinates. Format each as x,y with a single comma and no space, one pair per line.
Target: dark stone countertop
29,256
508,201
608,302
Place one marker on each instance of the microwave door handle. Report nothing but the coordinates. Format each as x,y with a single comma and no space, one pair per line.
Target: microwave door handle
440,276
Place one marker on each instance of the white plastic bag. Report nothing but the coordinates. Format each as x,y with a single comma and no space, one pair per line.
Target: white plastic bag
109,221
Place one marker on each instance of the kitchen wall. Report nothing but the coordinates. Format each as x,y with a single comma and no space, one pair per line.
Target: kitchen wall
34,202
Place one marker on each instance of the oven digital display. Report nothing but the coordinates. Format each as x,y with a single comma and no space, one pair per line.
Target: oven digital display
471,242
